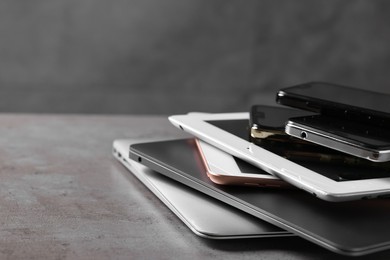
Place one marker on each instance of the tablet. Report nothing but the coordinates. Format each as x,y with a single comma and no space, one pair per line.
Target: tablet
351,228
201,213
229,132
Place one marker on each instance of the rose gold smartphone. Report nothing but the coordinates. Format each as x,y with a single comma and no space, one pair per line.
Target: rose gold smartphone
225,169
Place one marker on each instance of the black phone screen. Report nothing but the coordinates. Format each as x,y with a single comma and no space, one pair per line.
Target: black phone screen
341,101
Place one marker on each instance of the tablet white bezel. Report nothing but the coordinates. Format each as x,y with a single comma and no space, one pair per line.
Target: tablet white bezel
222,168
297,175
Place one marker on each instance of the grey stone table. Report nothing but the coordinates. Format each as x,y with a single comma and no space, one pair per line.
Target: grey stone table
64,196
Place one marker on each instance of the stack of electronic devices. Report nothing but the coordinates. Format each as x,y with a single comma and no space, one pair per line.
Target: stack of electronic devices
317,167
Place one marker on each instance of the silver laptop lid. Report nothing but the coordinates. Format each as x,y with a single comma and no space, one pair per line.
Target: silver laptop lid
201,213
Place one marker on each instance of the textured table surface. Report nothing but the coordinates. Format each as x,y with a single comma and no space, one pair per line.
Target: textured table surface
64,196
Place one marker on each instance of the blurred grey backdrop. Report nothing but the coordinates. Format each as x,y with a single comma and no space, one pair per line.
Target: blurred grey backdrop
176,56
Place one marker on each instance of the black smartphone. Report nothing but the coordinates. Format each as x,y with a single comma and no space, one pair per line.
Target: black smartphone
267,129
339,101
268,122
361,140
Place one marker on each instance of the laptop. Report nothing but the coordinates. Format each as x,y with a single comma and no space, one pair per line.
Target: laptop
201,213
349,228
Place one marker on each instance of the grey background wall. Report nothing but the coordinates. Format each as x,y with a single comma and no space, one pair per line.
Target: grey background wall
175,56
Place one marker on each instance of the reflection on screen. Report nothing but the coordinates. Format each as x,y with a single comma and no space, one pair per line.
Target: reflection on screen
337,170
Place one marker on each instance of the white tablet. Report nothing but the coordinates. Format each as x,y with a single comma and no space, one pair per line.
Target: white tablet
332,182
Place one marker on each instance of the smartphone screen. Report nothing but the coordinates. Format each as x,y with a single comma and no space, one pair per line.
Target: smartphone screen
340,101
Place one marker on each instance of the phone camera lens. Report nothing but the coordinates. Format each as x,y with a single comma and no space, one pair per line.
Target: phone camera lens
303,135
